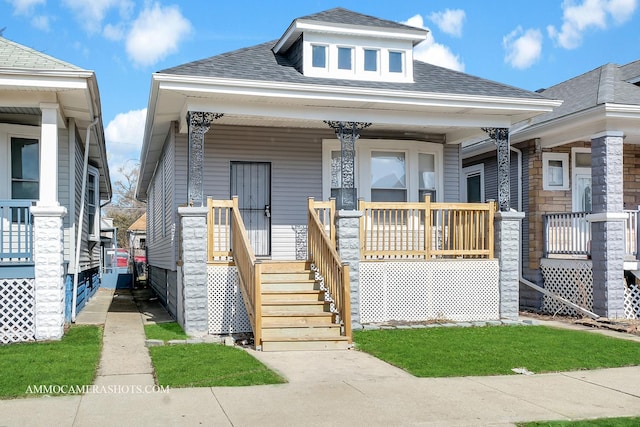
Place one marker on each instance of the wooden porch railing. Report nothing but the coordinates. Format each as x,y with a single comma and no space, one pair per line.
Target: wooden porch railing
322,252
16,231
424,230
569,234
225,245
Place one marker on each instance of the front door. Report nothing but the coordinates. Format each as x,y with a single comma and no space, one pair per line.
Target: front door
251,182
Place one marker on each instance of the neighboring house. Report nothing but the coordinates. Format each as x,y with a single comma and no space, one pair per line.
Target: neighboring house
137,236
52,145
337,107
578,171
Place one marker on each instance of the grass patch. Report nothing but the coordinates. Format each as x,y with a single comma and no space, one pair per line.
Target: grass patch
72,361
452,352
602,422
165,331
208,365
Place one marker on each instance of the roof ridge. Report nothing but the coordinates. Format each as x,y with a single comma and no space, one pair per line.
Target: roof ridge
606,84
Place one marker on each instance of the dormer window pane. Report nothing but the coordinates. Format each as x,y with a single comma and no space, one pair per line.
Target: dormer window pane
344,58
319,59
395,62
370,60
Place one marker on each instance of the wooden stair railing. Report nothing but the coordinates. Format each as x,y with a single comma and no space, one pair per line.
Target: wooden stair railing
322,253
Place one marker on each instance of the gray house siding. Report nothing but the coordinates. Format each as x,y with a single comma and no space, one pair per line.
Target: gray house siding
451,174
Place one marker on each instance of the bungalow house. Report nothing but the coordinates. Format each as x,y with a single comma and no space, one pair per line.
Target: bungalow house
578,178
304,186
54,180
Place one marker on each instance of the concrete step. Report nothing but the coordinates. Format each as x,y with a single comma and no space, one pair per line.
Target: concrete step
301,332
308,343
292,295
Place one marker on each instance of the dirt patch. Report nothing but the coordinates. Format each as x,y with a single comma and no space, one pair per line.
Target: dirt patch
630,326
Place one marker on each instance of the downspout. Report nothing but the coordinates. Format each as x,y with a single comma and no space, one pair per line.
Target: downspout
85,171
520,276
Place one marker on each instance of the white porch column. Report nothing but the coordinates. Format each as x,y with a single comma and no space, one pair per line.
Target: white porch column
49,155
48,258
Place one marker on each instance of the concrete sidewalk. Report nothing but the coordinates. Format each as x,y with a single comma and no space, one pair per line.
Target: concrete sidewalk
325,389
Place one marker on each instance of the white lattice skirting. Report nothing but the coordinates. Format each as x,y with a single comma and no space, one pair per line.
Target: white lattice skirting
227,314
464,290
17,310
573,280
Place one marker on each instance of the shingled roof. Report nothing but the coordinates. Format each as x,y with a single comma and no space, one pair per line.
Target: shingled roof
607,84
259,63
14,55
340,15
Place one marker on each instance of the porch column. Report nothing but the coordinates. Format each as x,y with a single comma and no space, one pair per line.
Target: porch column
48,183
348,245
48,258
501,138
193,253
507,250
347,133
607,224
198,124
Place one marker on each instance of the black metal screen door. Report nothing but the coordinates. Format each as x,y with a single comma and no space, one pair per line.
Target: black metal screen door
251,182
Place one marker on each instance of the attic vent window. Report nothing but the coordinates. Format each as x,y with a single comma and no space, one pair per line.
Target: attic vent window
319,55
395,62
345,55
370,60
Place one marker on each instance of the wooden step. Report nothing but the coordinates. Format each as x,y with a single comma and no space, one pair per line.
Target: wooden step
284,266
280,306
308,343
292,295
289,277
299,319
304,285
301,332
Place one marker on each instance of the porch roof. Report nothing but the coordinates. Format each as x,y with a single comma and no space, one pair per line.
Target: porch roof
29,78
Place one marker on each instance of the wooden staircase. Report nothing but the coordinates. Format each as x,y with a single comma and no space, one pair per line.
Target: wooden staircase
295,315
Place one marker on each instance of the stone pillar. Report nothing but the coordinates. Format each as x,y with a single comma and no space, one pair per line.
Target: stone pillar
607,224
48,191
348,245
507,250
48,258
193,236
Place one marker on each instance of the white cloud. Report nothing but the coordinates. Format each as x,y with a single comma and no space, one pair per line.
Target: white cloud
23,7
523,48
113,32
449,21
431,52
41,22
91,13
156,33
124,136
578,18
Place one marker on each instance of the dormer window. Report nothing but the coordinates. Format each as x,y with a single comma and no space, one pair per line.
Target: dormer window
319,54
395,62
345,58
371,60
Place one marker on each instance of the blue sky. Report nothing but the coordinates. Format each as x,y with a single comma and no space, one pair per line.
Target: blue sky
529,44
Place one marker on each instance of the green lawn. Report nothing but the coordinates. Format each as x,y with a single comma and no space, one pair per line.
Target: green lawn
165,331
449,352
602,422
72,361
208,365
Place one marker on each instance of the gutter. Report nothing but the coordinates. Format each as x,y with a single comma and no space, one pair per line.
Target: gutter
81,219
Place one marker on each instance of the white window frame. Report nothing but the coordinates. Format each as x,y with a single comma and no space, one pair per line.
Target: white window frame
548,157
95,236
326,56
575,171
469,171
364,147
8,131
354,65
378,69
403,62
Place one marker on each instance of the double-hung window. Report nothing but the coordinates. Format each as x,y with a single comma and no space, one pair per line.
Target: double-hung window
25,168
426,176
93,203
388,176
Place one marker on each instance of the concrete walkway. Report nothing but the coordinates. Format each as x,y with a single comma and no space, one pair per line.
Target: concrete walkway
345,388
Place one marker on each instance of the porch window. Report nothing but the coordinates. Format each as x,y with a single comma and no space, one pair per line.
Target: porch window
25,168
345,58
581,191
388,176
336,173
371,60
319,56
426,176
555,171
93,202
